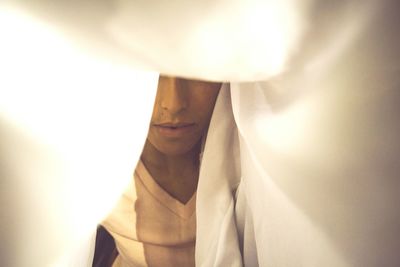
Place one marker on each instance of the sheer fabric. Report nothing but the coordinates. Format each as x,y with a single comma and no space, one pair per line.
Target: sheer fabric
315,98
319,153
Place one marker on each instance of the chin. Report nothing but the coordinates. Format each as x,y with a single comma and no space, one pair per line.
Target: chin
176,149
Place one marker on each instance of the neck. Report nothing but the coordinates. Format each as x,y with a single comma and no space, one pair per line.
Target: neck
176,174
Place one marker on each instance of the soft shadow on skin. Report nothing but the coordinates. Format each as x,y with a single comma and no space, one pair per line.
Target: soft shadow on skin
149,249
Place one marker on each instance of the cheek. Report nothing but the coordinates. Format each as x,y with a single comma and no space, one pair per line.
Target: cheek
156,112
204,104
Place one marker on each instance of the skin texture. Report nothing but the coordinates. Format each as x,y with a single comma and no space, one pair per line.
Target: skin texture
180,119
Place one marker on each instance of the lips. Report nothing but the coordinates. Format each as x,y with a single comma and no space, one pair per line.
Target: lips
174,129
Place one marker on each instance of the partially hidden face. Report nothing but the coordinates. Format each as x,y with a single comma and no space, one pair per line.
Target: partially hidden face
181,113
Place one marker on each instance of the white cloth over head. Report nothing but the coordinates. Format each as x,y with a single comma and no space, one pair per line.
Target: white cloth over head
314,94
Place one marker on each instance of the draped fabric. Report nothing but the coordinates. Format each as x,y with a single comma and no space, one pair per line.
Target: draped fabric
319,154
314,96
217,242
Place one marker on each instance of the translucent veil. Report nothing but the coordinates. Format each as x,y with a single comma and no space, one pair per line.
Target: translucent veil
319,149
314,162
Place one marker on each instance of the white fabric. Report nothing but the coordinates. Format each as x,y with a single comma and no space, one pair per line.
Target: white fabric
219,40
318,137
69,139
216,240
320,154
81,254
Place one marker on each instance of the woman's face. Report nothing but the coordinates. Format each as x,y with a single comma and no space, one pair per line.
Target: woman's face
181,113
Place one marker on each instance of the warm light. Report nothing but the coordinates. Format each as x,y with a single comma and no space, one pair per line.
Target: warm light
286,131
81,124
255,38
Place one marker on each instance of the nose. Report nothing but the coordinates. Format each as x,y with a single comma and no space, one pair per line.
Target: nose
173,94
